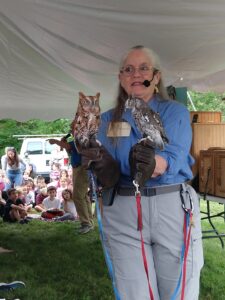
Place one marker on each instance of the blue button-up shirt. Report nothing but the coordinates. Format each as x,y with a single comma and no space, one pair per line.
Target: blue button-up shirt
176,122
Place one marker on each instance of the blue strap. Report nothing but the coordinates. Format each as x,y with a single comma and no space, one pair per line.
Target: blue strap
102,236
173,297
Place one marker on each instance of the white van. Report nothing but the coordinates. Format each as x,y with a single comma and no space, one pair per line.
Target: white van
37,151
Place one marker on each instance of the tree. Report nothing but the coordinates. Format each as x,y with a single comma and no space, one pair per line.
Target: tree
9,127
208,102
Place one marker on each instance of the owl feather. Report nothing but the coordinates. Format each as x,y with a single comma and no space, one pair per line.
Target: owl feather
86,121
148,122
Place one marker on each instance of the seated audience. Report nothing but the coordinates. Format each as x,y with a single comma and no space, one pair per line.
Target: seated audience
22,192
14,211
64,174
39,199
2,204
69,208
2,180
29,196
62,186
39,182
51,202
55,172
31,170
26,177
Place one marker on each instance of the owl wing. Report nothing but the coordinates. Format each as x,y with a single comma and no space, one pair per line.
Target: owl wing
150,125
86,120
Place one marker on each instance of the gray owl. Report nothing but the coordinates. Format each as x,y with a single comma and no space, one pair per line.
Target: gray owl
86,121
148,122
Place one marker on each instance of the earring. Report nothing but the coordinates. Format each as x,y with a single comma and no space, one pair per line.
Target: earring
156,90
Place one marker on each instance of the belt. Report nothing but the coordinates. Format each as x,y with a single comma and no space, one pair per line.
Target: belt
148,192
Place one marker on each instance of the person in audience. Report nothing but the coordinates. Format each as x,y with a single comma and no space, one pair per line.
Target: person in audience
64,174
55,172
80,184
20,201
70,178
62,186
2,204
14,212
40,198
39,184
21,191
31,170
29,195
13,167
50,202
69,208
26,177
2,180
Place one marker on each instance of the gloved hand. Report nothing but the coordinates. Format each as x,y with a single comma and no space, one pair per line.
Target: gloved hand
142,162
98,159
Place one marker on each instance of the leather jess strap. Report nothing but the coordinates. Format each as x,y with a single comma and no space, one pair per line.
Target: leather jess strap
149,192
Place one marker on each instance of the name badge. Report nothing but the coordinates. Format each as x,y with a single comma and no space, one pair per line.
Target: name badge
118,129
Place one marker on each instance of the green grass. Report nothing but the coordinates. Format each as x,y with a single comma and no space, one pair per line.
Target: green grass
213,273
56,263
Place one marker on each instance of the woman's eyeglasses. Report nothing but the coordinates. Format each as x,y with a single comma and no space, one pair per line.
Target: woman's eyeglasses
142,69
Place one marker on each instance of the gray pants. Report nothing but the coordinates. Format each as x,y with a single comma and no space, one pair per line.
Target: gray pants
163,219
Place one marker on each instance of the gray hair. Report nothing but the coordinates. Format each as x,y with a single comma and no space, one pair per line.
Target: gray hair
156,65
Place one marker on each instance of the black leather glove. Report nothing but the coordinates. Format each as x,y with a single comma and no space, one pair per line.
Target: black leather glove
142,162
98,159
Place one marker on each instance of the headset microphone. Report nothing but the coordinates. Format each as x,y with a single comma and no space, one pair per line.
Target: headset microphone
147,83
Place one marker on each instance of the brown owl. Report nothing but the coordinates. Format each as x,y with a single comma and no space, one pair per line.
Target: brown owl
87,120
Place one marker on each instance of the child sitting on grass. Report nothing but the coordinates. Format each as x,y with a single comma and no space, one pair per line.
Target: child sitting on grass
14,210
40,198
69,208
51,205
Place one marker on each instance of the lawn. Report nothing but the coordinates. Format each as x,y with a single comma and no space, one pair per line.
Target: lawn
54,262
57,264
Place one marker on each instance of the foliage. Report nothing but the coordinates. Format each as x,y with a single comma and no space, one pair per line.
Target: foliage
9,127
203,101
208,102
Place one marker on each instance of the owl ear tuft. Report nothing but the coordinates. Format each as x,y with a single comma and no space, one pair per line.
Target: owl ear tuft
98,95
81,95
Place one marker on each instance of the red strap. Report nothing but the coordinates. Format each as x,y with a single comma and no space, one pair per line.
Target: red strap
187,244
140,226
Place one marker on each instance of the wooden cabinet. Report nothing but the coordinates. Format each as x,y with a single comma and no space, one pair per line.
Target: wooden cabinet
206,116
206,172
212,172
206,135
219,173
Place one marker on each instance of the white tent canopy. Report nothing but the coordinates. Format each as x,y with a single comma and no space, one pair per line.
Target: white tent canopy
52,49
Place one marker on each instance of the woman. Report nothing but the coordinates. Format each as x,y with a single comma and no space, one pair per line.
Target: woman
13,167
154,250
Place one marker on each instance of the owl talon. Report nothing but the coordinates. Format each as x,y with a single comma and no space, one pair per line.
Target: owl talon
146,141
